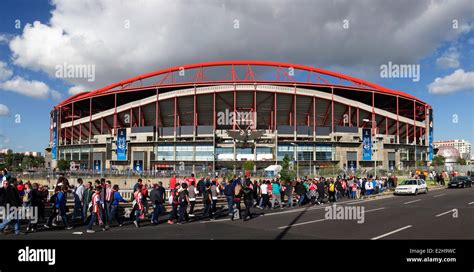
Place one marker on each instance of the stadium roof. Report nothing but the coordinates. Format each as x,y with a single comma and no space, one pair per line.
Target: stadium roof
199,74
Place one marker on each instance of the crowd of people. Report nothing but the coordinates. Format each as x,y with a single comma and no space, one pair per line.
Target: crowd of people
98,203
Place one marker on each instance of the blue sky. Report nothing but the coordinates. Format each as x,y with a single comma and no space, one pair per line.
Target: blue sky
86,26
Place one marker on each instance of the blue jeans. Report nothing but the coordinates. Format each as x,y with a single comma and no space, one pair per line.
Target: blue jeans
230,204
93,218
158,208
84,212
78,210
290,201
114,214
302,198
7,221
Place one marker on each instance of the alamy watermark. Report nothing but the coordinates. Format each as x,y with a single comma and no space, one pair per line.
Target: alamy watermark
335,212
67,70
28,254
19,213
241,118
391,70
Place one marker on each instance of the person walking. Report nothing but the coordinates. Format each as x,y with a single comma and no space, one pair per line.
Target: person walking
157,197
183,199
229,196
236,199
214,194
78,194
264,195
138,206
332,191
9,197
86,200
256,192
248,194
313,192
96,210
174,204
321,191
35,202
59,207
276,193
116,198
207,200
192,193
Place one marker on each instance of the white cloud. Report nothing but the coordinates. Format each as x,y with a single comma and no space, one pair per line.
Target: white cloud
5,73
164,34
56,95
450,59
76,89
457,81
4,110
34,88
5,38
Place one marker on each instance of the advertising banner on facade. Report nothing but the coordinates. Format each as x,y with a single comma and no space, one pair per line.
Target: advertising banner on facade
430,135
138,166
122,145
366,144
97,166
54,132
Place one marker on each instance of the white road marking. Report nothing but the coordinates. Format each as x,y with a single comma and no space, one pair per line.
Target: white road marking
439,195
373,210
320,220
470,203
450,211
390,233
297,210
412,201
218,220
304,223
77,233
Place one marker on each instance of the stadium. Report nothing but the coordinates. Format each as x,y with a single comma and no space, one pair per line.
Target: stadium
214,116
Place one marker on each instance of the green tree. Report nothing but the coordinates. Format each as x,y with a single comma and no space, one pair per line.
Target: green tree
287,174
248,165
63,165
461,161
438,160
420,163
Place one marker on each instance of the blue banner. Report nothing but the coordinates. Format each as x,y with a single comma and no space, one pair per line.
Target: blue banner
122,145
97,166
430,135
366,144
54,131
138,166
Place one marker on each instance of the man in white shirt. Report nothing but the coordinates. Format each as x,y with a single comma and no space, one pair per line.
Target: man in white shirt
264,194
78,199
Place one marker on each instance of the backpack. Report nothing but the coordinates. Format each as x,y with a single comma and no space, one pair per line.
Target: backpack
331,187
52,199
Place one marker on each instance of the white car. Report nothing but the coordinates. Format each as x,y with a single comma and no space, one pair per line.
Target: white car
411,187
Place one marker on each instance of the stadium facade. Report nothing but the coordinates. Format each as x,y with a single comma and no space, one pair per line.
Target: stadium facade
217,115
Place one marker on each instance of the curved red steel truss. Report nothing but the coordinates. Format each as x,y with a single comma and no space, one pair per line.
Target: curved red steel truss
283,73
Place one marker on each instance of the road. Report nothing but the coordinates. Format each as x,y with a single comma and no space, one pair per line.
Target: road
440,214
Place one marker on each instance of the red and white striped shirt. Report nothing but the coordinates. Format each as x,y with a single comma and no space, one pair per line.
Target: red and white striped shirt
138,200
96,202
108,194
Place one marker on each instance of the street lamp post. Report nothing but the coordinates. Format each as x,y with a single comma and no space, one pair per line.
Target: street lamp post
375,143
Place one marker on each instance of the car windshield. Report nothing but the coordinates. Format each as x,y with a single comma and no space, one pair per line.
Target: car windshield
408,182
457,179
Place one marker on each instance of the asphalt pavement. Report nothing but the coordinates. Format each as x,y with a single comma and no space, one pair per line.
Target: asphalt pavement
440,214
